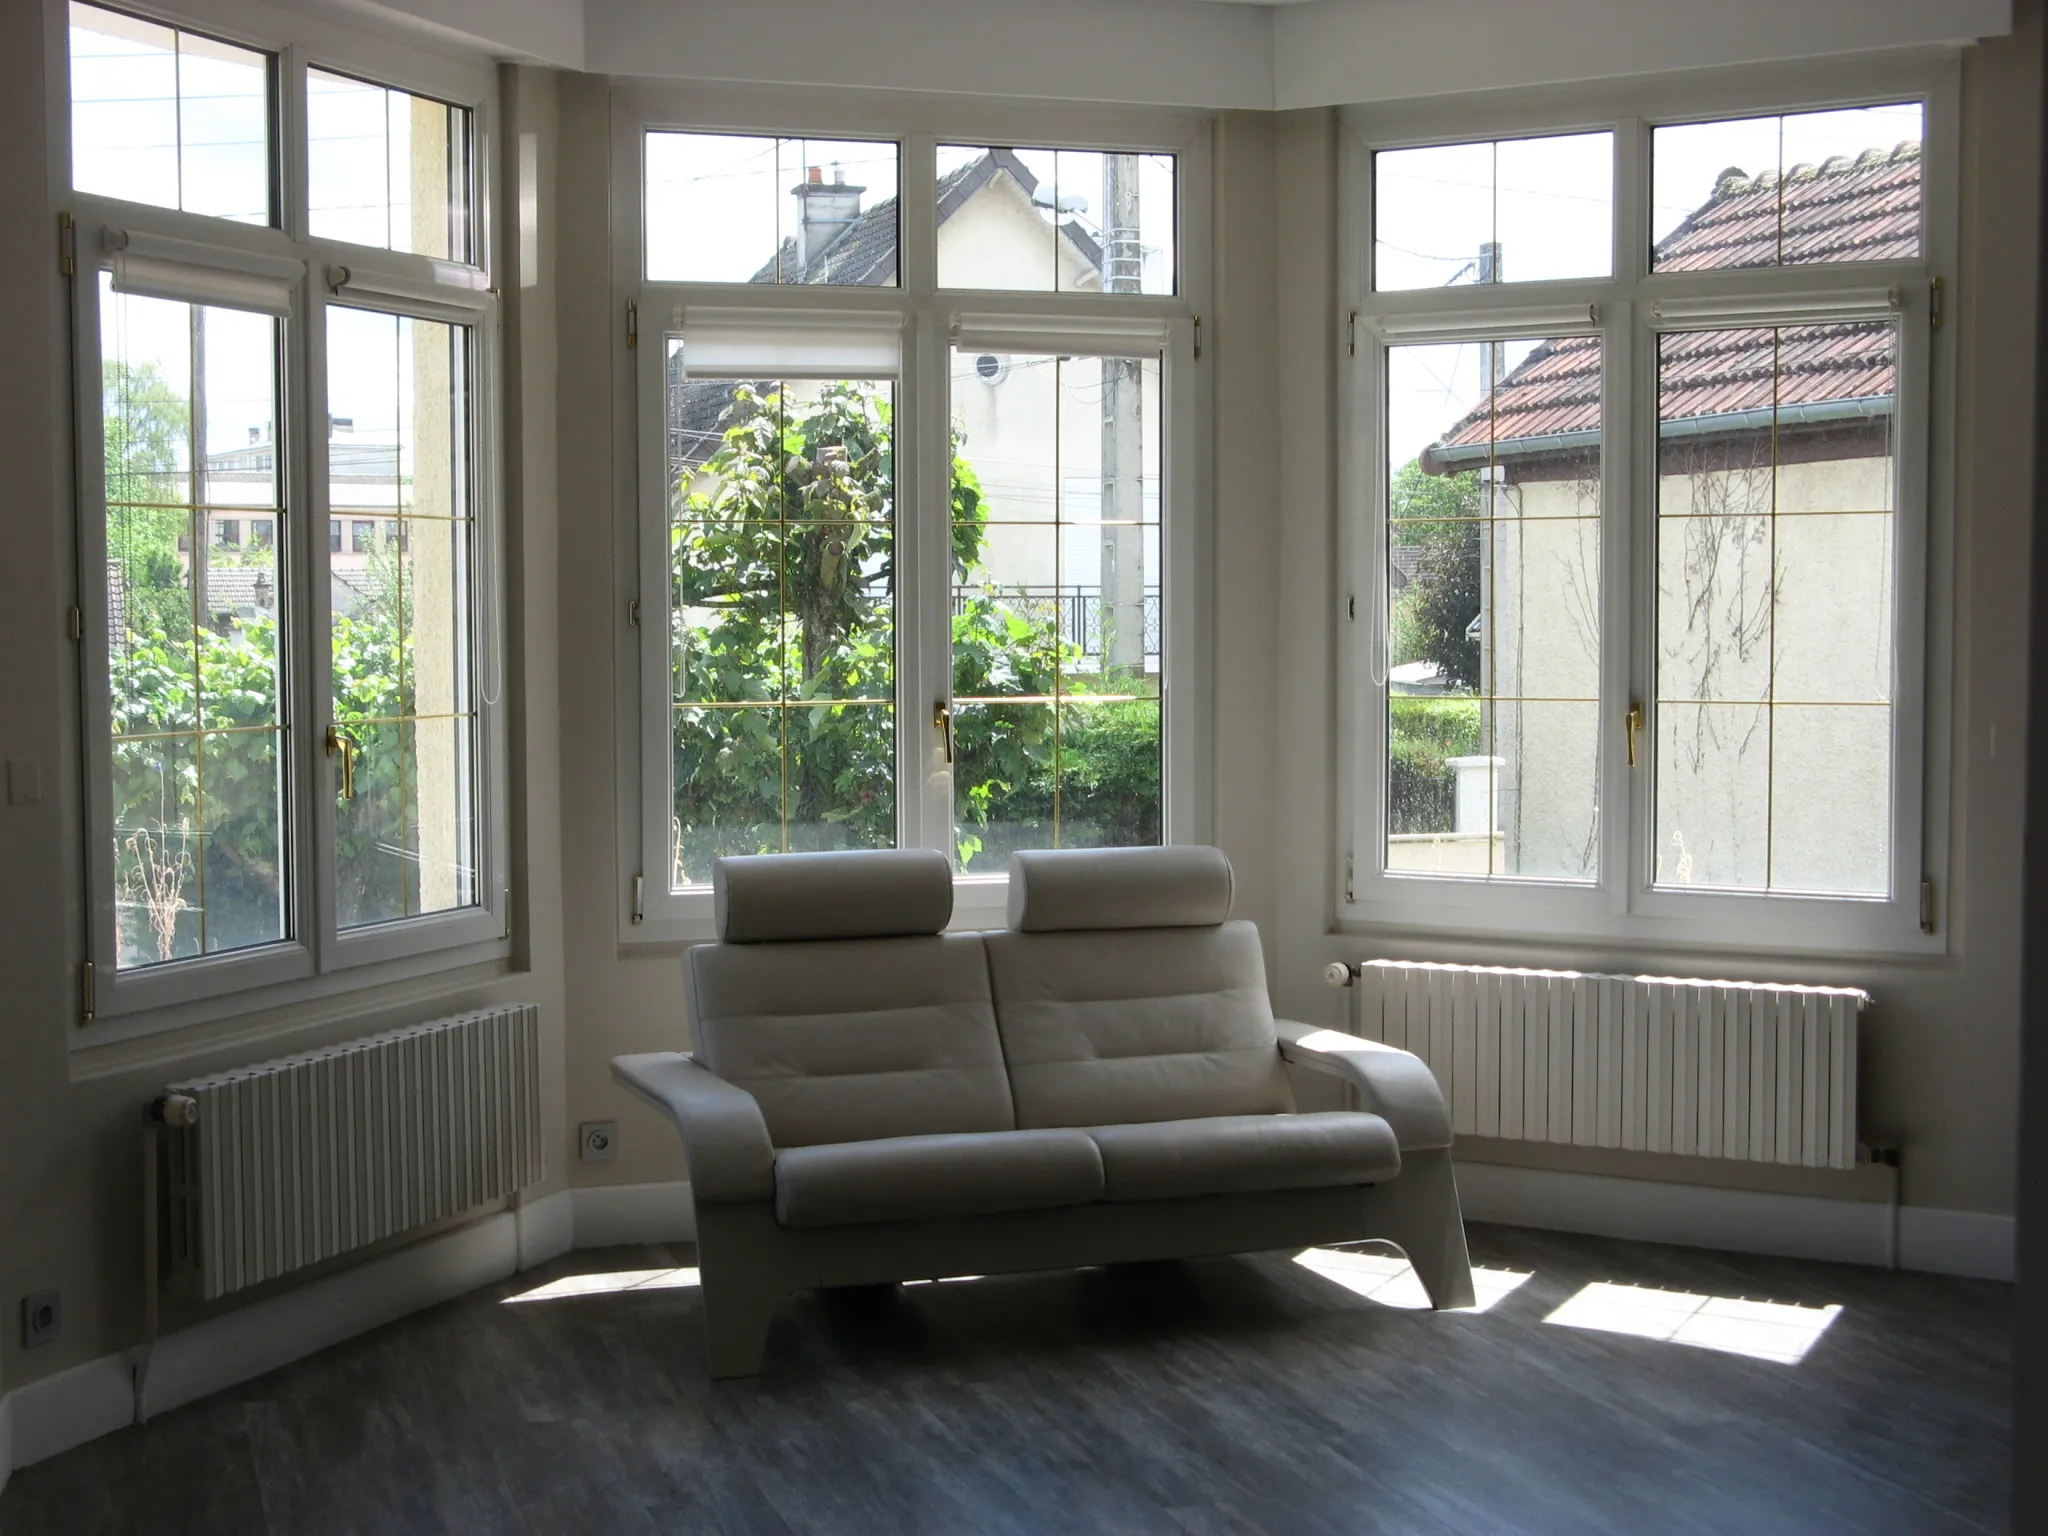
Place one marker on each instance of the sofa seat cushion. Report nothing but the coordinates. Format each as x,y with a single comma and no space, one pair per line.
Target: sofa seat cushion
1241,1154
914,1178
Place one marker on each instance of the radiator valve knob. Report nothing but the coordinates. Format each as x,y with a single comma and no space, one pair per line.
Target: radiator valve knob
177,1109
1337,974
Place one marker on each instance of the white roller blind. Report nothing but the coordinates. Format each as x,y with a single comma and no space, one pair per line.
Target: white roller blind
721,343
1080,336
441,290
157,267
1555,320
1777,309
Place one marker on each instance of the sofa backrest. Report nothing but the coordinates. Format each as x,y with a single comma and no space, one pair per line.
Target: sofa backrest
834,998
1124,993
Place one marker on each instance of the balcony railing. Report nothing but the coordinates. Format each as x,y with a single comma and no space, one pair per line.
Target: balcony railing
1077,610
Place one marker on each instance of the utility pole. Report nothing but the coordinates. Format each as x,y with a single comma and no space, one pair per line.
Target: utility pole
1122,599
1492,364
1492,357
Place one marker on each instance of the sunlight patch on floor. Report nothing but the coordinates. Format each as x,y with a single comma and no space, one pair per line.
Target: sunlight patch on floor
609,1282
1391,1280
1762,1330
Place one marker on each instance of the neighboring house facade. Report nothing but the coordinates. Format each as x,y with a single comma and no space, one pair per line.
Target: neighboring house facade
363,474
1032,427
1776,533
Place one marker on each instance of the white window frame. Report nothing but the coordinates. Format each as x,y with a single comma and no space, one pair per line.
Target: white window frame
648,911
1622,907
316,959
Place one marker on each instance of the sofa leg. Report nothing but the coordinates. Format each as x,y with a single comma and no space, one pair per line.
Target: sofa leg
740,1283
736,1319
1419,1212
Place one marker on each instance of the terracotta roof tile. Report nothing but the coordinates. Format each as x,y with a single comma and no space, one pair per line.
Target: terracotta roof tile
1861,209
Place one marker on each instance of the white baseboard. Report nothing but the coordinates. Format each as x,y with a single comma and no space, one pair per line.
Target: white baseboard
251,1340
547,1228
1743,1221
103,1395
610,1215
69,1408
1958,1242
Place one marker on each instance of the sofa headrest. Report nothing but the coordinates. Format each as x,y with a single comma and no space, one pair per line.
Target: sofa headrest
1071,888
878,894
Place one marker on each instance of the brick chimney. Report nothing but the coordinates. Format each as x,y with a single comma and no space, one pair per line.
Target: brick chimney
828,208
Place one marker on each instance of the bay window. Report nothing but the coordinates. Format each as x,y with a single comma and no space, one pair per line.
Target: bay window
913,532
291,761
1640,424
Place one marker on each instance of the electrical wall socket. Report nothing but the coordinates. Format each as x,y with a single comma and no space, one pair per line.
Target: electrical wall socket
42,1317
598,1140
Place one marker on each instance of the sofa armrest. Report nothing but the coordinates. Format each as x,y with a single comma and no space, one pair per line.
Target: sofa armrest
724,1136
1391,1083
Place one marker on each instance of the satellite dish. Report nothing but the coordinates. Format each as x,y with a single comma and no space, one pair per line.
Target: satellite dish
1071,204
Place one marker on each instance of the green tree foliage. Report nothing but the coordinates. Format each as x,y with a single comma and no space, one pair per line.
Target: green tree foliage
782,554
146,423
197,792
1438,517
1423,734
783,569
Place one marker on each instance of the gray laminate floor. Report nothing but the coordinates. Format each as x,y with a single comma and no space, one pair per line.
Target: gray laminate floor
1236,1395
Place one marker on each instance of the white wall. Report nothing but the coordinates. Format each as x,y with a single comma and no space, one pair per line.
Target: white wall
1150,52
1174,52
1337,51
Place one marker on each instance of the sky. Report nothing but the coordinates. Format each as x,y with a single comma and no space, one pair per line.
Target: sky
719,204
175,120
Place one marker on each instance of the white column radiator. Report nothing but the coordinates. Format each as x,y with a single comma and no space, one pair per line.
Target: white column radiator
1753,1071
285,1163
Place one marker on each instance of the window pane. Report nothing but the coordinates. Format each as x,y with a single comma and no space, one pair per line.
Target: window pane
1056,604
782,599
387,168
196,706
1493,580
406,838
1515,210
1055,221
169,118
1787,191
1775,615
735,208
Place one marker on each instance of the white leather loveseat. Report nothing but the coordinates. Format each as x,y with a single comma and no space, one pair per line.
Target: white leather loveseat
872,1099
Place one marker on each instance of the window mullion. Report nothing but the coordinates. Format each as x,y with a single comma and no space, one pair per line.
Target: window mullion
924,598
1628,586
316,666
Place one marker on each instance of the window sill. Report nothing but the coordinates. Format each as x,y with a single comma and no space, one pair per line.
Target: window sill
1582,934
253,1012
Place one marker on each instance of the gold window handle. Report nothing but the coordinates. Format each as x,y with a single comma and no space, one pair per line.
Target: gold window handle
942,722
1635,724
345,745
